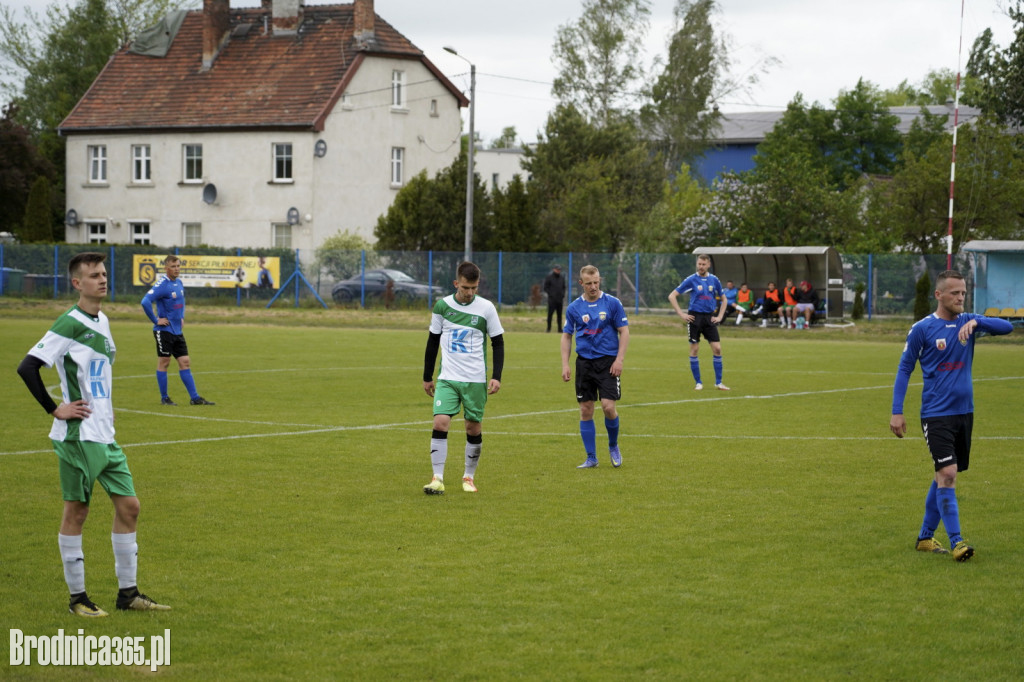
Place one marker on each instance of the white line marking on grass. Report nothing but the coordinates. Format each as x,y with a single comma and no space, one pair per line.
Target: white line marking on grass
424,423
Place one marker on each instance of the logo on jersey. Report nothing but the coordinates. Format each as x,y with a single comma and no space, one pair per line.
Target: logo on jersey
174,294
458,340
473,320
700,287
602,315
586,318
96,384
940,344
39,346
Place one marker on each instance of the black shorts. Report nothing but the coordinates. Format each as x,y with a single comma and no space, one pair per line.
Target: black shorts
702,324
593,379
170,345
949,439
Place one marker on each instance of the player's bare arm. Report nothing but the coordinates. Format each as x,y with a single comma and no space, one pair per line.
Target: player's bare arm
685,314
966,330
616,368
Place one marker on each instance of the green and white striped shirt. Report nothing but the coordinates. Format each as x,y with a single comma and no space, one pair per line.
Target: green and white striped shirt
464,330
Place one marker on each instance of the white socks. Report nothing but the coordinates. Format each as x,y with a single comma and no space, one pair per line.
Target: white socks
74,562
126,558
438,455
472,458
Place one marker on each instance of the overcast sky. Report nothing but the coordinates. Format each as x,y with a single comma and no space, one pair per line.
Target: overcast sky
821,46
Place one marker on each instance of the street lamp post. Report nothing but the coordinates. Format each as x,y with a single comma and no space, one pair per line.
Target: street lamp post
470,175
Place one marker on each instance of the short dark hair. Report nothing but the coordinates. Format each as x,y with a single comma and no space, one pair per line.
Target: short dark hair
468,271
947,274
171,258
79,259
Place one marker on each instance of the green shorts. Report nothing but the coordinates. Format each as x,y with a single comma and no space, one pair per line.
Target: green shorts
82,463
448,395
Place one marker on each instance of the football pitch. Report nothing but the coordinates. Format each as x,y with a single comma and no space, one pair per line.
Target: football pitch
764,533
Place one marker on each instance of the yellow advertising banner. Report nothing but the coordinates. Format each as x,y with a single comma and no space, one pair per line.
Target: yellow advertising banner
212,271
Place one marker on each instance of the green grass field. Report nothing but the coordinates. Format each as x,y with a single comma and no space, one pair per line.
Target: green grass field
766,533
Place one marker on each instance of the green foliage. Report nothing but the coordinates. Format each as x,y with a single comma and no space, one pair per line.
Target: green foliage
593,184
38,223
515,220
598,58
679,114
937,87
923,295
857,313
995,82
659,231
431,214
20,164
509,139
341,255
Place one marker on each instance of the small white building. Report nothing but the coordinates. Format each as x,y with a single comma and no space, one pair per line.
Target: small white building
497,167
268,127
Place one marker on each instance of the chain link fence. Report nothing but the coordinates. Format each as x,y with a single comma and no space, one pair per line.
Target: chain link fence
413,279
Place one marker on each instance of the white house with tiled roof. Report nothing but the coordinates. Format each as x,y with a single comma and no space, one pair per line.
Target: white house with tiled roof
272,126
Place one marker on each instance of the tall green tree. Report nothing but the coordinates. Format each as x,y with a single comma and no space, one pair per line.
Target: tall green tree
593,183
47,62
431,213
989,192
20,164
599,58
997,74
681,199
516,227
680,114
38,223
509,139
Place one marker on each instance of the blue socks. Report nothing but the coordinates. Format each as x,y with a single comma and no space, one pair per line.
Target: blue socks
190,385
695,369
950,512
717,362
931,513
589,435
161,381
613,431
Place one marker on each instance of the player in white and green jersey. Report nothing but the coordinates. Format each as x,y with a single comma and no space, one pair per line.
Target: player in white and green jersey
460,325
80,346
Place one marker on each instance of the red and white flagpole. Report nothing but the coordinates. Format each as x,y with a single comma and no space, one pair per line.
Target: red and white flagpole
956,124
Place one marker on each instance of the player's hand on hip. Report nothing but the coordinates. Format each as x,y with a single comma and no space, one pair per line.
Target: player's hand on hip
493,387
898,425
428,386
78,409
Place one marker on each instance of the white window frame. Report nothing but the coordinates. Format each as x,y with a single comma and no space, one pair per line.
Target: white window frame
192,163
398,95
281,235
97,231
97,163
140,231
142,164
397,163
433,108
283,155
192,234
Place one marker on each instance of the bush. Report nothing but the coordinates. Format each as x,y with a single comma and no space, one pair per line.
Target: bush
922,297
858,302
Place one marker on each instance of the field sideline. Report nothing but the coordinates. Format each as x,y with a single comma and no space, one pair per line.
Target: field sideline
765,533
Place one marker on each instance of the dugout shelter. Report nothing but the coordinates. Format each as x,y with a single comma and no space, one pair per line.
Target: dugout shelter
998,275
758,265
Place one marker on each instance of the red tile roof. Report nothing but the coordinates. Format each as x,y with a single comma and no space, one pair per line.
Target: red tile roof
256,81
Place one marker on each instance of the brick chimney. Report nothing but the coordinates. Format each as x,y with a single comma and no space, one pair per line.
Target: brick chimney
364,20
286,15
216,23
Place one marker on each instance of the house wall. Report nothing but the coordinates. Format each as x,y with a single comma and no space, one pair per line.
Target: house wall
503,163
346,189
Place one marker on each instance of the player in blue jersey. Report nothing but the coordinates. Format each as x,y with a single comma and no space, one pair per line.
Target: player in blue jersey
81,348
598,321
168,329
943,343
703,288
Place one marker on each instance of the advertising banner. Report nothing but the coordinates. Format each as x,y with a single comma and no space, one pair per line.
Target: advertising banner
212,271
